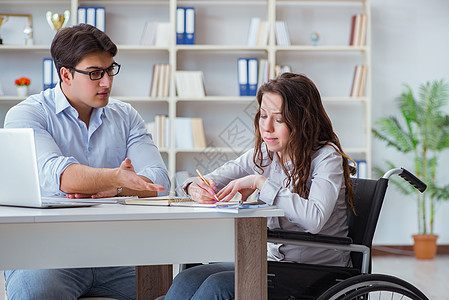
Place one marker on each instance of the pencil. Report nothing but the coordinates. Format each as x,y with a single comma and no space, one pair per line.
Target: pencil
206,182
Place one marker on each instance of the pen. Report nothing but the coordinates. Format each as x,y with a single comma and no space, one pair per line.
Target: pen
206,182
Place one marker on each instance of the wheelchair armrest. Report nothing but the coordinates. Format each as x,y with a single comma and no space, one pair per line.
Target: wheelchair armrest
321,241
305,236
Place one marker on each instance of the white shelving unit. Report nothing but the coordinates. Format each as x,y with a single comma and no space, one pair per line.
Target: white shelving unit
220,39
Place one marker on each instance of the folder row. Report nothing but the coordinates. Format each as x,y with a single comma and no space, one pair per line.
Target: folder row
247,76
185,25
252,73
92,15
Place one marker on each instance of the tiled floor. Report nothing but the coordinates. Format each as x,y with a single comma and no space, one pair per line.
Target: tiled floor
430,276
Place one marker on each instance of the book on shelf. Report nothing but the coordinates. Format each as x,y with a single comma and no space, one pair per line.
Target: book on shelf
359,81
282,37
149,33
166,81
262,33
162,38
183,133
233,205
264,72
154,80
258,32
358,30
160,81
279,69
188,134
158,130
155,34
185,25
361,90
199,139
253,31
190,84
92,15
363,26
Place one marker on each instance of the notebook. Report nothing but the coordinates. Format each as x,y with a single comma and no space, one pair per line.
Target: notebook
19,181
234,205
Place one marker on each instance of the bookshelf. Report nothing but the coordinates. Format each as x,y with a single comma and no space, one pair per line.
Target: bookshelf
221,36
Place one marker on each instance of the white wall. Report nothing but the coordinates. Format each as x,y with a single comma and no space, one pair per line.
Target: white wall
410,45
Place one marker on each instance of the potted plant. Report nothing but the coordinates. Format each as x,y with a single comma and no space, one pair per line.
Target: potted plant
22,86
422,134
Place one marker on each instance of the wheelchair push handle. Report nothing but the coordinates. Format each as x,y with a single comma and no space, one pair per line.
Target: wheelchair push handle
412,179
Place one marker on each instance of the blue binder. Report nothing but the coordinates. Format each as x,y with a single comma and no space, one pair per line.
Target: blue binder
47,73
180,25
242,70
189,29
253,75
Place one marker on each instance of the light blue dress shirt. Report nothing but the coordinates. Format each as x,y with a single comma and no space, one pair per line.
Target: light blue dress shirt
115,132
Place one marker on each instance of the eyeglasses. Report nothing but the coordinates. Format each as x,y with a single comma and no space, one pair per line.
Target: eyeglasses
98,74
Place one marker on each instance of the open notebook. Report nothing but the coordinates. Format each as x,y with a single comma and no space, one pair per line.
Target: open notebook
231,206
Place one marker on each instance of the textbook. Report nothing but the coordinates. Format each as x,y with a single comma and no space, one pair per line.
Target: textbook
232,205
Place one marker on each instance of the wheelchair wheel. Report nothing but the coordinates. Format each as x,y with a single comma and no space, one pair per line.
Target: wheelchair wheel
373,286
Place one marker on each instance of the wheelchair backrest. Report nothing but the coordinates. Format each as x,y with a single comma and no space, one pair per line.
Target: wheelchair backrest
369,195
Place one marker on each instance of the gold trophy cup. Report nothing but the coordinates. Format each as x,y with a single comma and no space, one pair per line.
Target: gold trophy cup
3,20
57,21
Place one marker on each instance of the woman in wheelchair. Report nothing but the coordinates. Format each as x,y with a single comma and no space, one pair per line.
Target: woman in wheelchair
298,165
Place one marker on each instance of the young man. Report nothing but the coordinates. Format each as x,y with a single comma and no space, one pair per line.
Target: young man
88,145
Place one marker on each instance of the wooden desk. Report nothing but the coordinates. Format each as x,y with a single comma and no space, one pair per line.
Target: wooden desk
154,237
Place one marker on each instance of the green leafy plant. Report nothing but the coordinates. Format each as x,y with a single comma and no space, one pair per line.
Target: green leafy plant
422,132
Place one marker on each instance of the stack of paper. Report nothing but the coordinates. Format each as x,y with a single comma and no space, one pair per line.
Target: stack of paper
282,38
190,84
258,32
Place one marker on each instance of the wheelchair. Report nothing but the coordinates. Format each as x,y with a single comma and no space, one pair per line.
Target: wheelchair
291,281
305,281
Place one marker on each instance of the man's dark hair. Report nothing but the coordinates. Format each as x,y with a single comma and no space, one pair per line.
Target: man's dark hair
71,44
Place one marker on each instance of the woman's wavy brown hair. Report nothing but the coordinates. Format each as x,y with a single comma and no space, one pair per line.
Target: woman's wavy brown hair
310,130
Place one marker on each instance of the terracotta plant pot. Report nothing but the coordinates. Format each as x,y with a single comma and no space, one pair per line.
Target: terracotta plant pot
425,246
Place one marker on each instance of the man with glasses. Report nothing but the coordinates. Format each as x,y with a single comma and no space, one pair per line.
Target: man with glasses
88,145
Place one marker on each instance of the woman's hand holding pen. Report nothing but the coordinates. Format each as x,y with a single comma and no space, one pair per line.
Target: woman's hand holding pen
245,186
202,192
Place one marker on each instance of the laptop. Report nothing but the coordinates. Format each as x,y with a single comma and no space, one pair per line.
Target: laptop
19,180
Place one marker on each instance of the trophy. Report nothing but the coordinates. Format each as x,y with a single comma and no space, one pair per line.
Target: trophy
28,31
57,21
3,20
